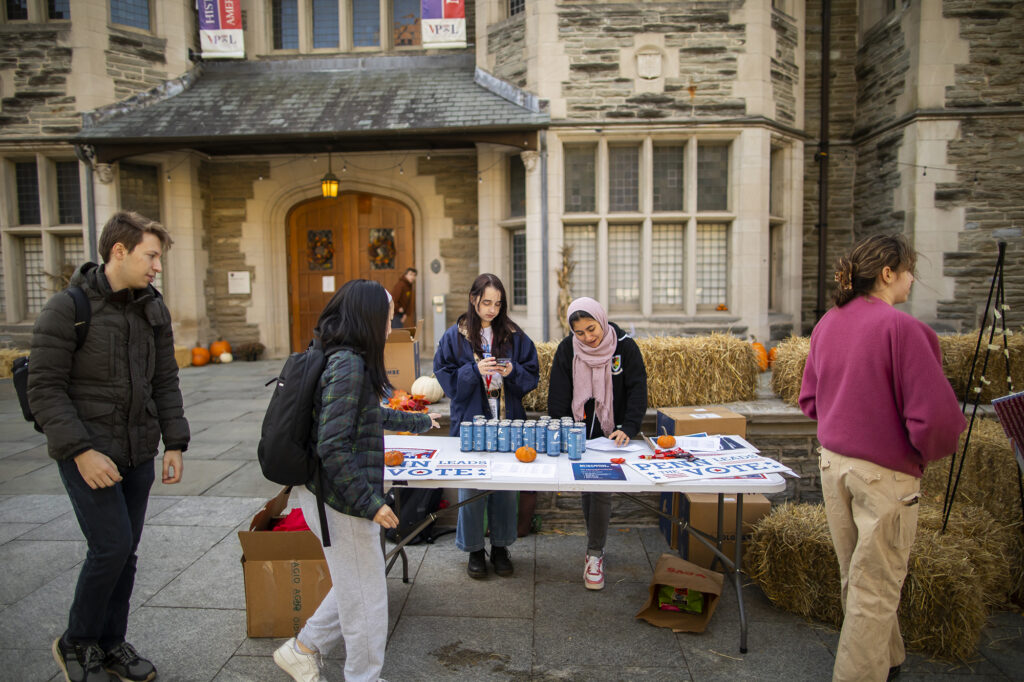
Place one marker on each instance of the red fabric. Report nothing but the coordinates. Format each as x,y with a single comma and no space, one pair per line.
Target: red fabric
294,521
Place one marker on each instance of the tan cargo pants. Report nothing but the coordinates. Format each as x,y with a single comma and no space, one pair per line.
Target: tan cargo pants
872,516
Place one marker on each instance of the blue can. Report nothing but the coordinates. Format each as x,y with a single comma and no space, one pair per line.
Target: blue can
541,434
466,436
564,427
479,437
491,436
576,444
554,439
504,435
530,434
517,436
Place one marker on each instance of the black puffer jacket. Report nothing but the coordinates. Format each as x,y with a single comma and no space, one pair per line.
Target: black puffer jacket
119,392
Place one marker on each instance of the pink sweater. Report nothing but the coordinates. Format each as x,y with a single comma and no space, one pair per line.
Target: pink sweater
874,383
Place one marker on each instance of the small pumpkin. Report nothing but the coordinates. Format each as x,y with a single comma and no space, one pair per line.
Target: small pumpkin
200,356
226,357
394,458
772,355
429,388
666,441
761,354
219,347
526,454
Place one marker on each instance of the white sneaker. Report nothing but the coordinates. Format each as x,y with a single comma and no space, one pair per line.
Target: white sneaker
593,574
301,667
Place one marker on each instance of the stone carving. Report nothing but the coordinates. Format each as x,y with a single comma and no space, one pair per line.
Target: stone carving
105,173
649,63
529,160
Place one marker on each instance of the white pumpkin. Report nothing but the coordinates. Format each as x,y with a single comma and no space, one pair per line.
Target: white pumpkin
429,388
226,357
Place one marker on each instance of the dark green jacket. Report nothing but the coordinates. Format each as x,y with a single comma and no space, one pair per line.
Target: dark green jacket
350,436
119,392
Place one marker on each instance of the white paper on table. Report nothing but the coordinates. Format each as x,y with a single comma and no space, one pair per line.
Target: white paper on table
538,470
603,444
735,464
700,443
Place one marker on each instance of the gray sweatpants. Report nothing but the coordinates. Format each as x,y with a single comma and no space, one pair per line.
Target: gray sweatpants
356,608
597,513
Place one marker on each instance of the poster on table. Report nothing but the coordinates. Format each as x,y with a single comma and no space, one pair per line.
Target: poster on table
423,465
220,29
734,464
443,23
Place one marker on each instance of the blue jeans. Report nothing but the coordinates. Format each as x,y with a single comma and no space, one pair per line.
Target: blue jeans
111,520
502,519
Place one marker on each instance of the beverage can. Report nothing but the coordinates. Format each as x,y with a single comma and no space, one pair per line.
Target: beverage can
554,439
576,443
530,434
564,426
504,435
517,436
466,436
491,435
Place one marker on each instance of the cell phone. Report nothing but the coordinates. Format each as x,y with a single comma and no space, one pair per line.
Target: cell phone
502,362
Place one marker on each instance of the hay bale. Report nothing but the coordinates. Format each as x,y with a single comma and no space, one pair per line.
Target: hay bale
8,356
788,370
958,352
697,370
951,581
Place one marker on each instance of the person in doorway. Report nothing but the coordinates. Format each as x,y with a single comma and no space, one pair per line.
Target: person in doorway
486,364
404,295
350,441
598,377
874,383
104,408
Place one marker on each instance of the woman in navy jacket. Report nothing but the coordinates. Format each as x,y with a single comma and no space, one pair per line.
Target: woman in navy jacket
467,366
598,376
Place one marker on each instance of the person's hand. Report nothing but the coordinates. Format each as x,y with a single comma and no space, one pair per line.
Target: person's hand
172,466
385,517
505,370
98,470
487,366
434,416
619,437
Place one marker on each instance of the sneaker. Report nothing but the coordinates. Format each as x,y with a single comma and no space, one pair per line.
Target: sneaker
124,662
80,662
593,574
301,666
502,561
477,567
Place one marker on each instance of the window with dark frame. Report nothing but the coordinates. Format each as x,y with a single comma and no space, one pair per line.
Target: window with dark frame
69,193
580,196
365,23
133,13
406,26
516,7
516,186
17,10
712,177
667,177
623,178
58,9
519,267
583,240
325,24
285,24
27,188
36,291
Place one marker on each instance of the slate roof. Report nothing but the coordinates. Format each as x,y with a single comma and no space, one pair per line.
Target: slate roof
317,98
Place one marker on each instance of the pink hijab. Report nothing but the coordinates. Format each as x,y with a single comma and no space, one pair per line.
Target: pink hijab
592,367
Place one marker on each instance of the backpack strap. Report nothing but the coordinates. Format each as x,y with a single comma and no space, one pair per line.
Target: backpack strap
321,510
83,314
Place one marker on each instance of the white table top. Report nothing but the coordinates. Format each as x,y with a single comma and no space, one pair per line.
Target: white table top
563,479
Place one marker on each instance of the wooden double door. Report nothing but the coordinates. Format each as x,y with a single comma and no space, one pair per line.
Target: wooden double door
330,241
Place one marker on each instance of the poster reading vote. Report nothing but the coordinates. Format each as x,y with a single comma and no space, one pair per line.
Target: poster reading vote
430,468
220,29
444,23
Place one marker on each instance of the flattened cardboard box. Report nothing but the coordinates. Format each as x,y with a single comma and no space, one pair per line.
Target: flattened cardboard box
701,510
285,574
671,570
683,421
402,356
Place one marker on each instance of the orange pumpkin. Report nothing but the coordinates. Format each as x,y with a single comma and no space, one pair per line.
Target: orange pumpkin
526,454
761,355
218,347
666,441
772,355
200,356
394,458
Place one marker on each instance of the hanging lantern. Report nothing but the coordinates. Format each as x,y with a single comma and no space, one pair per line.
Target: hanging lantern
329,182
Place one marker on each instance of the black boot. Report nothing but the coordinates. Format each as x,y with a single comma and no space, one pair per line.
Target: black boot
477,567
502,561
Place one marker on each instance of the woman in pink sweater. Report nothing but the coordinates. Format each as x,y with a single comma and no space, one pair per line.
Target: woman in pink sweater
874,383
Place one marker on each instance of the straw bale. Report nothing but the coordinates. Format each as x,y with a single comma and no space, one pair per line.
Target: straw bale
958,352
7,356
697,370
788,369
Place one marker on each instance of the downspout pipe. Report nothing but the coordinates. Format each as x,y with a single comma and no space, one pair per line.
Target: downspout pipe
90,204
822,155
545,277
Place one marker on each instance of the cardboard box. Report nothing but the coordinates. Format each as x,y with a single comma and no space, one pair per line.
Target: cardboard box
402,356
701,509
683,421
676,572
285,574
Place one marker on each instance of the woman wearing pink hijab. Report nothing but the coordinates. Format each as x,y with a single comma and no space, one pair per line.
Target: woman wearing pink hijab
598,377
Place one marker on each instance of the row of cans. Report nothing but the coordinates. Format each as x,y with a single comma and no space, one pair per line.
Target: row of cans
546,435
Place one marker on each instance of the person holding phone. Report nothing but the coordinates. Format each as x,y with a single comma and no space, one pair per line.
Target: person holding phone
486,364
598,377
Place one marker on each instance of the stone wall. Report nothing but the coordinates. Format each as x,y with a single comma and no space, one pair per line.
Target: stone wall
785,74
135,62
35,62
224,189
455,178
506,41
878,179
708,44
882,65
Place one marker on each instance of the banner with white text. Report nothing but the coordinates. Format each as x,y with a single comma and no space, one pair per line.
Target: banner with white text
220,29
444,23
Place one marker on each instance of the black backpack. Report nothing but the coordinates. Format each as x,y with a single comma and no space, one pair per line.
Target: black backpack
287,448
19,368
413,506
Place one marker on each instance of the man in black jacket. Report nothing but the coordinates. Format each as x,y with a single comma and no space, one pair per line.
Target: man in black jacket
104,408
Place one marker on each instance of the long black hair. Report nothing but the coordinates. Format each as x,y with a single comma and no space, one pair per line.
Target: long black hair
356,317
502,327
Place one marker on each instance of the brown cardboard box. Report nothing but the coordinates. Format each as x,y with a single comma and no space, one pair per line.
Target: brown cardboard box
402,356
702,511
683,421
285,574
671,570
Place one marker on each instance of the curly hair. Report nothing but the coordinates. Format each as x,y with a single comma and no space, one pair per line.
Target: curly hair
858,271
